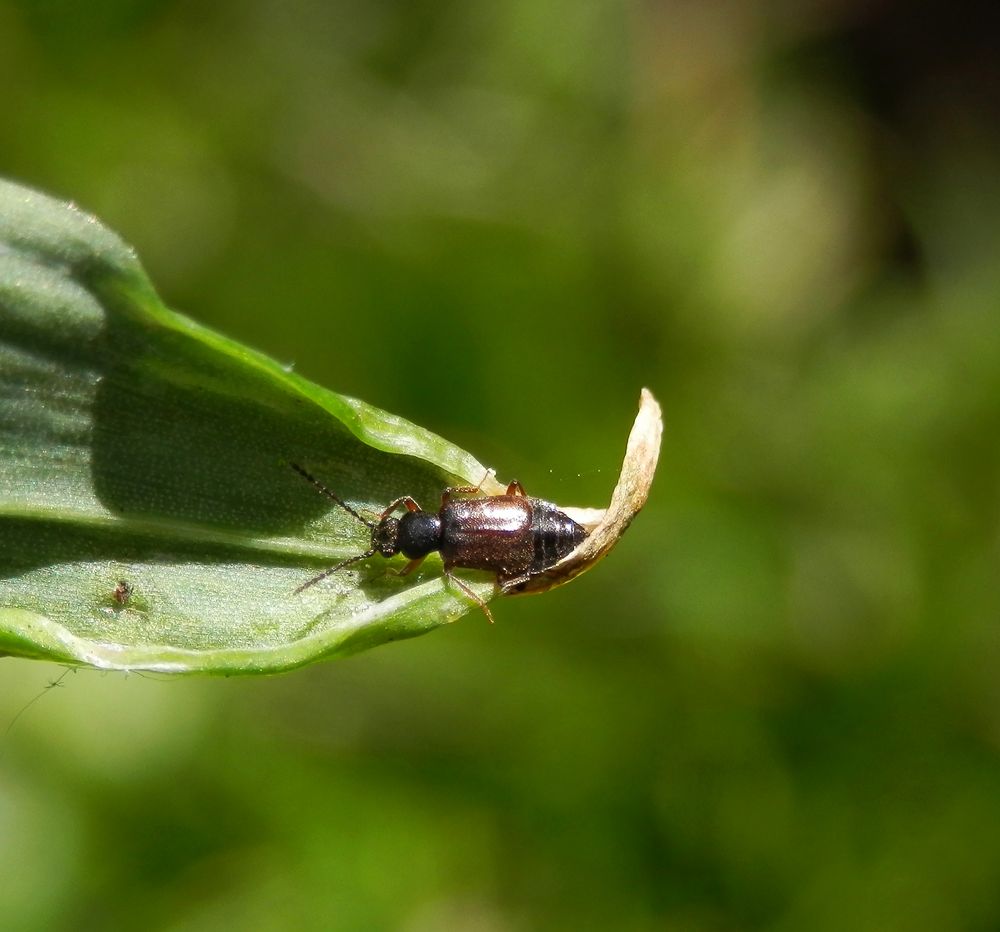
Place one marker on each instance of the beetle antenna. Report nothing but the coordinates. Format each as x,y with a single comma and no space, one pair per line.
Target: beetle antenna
309,477
333,569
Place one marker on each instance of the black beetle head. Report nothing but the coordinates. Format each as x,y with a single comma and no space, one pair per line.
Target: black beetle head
385,537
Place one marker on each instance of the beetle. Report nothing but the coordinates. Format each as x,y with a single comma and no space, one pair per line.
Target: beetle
511,535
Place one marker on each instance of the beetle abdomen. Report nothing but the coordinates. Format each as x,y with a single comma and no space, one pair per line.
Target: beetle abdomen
555,534
511,535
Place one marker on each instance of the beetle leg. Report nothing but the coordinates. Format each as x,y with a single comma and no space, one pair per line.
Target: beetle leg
515,488
511,584
459,490
463,489
411,505
411,566
475,598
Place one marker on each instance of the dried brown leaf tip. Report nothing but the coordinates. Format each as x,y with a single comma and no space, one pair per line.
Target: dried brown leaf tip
606,526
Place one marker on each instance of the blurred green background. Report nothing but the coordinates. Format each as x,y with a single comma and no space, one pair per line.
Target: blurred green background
777,704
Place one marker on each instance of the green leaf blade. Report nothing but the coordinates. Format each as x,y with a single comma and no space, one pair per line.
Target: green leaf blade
137,445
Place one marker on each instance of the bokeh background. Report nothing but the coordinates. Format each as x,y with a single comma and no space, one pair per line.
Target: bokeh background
777,704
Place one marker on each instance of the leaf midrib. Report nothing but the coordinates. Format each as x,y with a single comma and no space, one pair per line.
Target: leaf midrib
178,531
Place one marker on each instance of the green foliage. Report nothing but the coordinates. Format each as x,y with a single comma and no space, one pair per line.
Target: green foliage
138,447
775,706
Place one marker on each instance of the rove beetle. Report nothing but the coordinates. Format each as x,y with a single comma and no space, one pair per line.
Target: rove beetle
511,535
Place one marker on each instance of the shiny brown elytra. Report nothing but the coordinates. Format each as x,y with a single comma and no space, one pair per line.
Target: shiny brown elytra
512,535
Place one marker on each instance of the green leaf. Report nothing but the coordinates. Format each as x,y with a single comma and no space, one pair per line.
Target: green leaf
137,446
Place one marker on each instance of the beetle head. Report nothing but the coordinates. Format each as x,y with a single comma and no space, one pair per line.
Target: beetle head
385,537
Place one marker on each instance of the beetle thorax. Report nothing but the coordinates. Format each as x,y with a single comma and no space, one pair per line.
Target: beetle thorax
419,533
